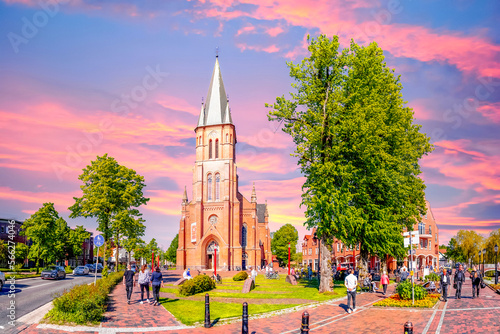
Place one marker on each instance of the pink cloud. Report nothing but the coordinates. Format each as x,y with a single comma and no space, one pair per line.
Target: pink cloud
274,31
245,30
259,48
491,111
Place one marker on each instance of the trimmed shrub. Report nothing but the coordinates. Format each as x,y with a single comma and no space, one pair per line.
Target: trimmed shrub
396,301
200,283
68,270
432,277
104,272
404,291
83,303
241,276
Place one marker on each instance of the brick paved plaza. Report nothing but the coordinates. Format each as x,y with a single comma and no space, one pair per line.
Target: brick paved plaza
466,315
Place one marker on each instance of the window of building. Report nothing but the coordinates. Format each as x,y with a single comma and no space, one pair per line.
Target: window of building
430,247
217,149
231,139
338,247
436,237
421,228
430,230
210,149
227,138
217,186
209,187
357,247
317,250
310,251
244,236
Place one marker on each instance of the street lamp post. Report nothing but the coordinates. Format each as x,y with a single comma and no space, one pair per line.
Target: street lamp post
484,253
496,264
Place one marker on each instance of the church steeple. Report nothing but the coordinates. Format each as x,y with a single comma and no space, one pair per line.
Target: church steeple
185,197
216,108
253,199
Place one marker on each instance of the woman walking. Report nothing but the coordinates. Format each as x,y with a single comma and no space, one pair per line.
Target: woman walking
156,282
144,277
384,280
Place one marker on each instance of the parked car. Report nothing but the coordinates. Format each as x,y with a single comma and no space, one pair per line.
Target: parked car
81,270
53,272
99,267
2,280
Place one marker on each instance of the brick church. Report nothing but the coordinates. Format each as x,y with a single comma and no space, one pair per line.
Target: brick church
219,226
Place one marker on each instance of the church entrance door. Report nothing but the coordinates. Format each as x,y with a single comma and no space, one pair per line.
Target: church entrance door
212,245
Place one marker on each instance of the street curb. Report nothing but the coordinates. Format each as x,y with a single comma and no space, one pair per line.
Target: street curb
35,316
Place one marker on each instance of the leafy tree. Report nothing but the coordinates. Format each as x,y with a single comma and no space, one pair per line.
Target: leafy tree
110,193
358,148
491,241
146,251
76,238
40,229
4,251
298,258
468,245
130,245
128,228
279,244
22,251
171,253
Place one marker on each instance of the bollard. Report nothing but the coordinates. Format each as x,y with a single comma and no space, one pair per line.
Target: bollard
207,311
244,325
408,328
304,328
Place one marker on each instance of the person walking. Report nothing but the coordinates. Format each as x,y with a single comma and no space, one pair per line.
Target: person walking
351,282
156,283
143,280
254,274
309,273
445,281
384,280
459,280
476,278
129,282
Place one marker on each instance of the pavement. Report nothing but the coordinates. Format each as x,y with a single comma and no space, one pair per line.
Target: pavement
466,315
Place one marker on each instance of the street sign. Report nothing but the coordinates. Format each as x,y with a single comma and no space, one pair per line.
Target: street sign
98,240
411,273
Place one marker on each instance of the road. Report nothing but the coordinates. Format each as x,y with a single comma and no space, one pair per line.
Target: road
31,293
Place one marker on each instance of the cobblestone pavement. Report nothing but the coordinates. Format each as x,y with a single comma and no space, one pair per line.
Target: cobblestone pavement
466,315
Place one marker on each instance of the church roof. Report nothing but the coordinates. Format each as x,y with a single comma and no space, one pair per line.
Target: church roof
261,210
216,108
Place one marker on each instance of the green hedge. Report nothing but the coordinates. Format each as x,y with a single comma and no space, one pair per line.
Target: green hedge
200,283
83,303
404,291
432,277
241,276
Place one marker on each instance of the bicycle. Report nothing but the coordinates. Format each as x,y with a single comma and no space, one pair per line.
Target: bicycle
217,278
273,275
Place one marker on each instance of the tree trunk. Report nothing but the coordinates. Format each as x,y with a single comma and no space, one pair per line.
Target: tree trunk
104,260
383,262
325,284
363,264
117,255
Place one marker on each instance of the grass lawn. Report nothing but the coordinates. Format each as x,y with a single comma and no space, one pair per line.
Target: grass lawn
20,276
190,311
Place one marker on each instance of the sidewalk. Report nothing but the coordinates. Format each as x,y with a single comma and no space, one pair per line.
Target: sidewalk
466,315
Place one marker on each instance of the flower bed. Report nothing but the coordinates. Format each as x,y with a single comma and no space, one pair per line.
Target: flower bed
396,301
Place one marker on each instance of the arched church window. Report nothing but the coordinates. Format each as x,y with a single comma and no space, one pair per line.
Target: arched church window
217,149
210,149
231,139
217,186
227,138
209,183
244,236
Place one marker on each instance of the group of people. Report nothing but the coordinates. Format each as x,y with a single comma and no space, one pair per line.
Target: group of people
459,280
145,278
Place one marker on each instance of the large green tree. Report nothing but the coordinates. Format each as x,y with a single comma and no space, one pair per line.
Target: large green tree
287,234
110,193
22,251
4,251
491,241
466,247
171,253
358,148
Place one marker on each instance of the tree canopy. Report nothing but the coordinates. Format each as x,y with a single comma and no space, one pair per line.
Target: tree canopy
279,243
111,193
357,146
171,253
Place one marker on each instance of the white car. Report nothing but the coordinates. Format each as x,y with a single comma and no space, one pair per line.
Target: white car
81,270
2,280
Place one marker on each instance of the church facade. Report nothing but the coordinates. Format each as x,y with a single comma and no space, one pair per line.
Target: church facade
219,226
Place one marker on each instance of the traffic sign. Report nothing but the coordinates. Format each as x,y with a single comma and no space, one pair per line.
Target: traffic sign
98,240
411,273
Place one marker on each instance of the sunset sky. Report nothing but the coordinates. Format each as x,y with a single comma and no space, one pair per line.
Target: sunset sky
83,78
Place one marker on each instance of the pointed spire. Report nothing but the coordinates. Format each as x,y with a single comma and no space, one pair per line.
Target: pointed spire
216,109
254,195
266,214
185,197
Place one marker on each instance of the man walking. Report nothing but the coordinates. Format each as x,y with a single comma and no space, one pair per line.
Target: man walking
351,283
128,281
459,280
476,278
445,281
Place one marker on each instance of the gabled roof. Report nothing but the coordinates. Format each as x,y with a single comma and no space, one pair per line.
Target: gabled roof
216,108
